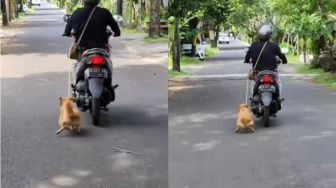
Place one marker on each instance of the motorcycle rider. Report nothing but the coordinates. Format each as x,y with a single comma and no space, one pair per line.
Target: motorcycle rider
95,34
267,59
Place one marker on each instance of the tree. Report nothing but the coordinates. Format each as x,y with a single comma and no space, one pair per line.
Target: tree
154,25
4,13
216,12
180,10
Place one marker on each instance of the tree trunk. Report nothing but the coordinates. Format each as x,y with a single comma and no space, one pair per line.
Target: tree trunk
193,25
139,14
120,7
4,13
171,32
305,51
21,5
134,23
154,25
298,45
176,46
16,8
216,35
10,13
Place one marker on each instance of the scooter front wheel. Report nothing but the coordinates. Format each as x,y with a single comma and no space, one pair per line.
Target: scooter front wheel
95,111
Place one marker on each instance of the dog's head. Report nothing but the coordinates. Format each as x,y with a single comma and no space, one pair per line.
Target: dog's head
63,99
243,106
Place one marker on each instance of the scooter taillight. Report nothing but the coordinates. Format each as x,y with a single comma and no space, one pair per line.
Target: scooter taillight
96,60
267,79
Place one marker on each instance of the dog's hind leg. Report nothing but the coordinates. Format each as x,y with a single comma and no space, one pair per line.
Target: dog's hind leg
60,130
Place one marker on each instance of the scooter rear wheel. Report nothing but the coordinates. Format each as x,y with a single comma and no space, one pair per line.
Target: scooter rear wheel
95,111
266,116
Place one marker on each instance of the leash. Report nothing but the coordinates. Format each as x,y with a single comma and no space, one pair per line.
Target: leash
247,89
69,81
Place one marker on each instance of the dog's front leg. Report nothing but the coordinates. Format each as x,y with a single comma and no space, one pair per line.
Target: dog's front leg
60,130
253,130
236,131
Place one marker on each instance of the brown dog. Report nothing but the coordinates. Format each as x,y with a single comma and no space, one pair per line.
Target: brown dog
245,120
69,115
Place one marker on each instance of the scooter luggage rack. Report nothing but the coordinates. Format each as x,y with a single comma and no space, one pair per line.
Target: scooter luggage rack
266,72
101,51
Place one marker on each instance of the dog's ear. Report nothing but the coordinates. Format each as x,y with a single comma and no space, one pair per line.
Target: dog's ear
61,100
73,99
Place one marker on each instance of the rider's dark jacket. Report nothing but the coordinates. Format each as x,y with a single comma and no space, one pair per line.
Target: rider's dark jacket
95,33
267,59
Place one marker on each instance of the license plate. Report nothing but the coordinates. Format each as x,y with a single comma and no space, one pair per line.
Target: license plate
266,86
97,72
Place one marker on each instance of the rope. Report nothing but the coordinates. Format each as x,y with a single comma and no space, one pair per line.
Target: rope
247,90
69,81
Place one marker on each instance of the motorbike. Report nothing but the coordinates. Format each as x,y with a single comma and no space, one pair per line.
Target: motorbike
266,101
200,50
91,86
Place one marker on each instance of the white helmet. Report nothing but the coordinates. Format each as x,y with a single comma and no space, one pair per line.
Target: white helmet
265,32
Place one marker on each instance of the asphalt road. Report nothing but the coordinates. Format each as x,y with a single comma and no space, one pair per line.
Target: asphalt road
34,74
296,151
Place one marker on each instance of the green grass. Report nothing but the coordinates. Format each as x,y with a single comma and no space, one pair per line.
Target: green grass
209,51
131,31
156,39
185,61
292,59
172,73
325,78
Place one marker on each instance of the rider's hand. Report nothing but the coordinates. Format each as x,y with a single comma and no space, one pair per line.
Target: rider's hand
115,34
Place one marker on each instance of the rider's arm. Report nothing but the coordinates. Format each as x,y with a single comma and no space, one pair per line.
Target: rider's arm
69,25
248,56
281,55
68,28
114,25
